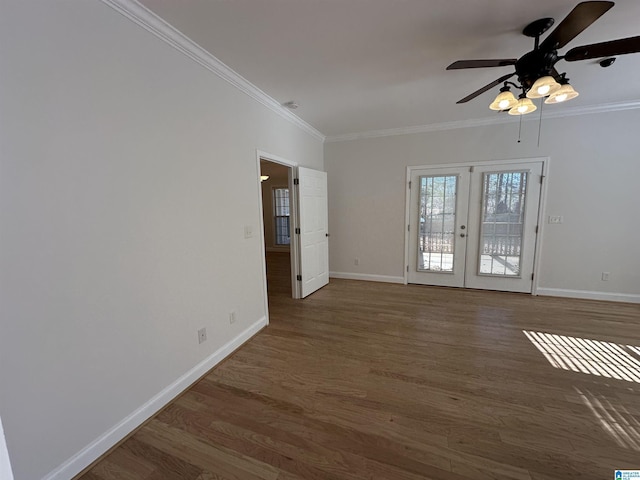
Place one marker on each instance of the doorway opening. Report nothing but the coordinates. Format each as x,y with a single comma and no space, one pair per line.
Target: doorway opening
278,220
294,207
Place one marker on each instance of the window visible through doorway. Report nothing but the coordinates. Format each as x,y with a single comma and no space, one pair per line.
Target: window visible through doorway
281,216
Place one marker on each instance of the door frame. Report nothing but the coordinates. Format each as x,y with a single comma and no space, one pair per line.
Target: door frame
294,219
487,163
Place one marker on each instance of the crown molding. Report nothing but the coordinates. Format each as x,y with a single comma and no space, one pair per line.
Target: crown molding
481,122
148,20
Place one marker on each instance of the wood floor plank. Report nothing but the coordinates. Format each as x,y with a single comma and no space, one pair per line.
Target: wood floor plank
166,466
112,469
91,475
214,458
365,380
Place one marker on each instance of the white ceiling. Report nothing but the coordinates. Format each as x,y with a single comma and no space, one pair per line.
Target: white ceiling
362,65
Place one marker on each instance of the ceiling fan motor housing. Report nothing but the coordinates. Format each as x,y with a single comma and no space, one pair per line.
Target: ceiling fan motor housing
534,65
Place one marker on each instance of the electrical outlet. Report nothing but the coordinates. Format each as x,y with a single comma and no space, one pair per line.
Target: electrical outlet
202,335
605,276
232,317
557,219
356,261
248,231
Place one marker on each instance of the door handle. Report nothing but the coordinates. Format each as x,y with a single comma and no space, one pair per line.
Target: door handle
326,234
462,235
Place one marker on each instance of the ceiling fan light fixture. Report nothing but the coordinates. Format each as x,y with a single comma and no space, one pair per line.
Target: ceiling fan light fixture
524,106
264,178
564,93
504,101
543,87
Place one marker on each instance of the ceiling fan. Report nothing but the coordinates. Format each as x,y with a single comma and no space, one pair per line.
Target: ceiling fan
536,70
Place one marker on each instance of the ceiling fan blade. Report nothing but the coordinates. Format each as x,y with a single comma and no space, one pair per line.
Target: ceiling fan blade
482,63
486,87
604,49
583,15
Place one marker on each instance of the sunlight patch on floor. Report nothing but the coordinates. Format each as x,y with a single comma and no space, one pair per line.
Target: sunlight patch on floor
614,418
594,357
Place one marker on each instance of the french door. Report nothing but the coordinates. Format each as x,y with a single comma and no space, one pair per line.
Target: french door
474,226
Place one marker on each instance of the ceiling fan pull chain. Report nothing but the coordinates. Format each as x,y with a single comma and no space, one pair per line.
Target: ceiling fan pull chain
540,122
519,128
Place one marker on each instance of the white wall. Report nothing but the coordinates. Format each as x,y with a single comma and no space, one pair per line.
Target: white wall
592,183
128,174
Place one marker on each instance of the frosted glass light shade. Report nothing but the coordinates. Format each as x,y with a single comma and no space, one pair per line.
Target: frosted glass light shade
504,101
523,107
542,87
566,92
263,178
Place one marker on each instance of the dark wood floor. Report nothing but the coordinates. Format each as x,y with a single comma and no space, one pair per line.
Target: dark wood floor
379,381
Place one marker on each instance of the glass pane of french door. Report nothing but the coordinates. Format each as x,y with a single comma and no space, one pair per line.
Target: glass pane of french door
503,207
436,234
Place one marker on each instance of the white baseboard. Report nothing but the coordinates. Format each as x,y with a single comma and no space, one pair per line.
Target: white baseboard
366,277
589,295
102,444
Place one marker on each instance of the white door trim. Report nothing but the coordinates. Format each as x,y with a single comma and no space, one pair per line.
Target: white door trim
546,161
294,251
541,210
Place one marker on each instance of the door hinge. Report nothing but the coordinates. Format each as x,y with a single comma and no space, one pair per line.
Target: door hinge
407,268
296,181
299,278
541,178
537,228
408,228
532,276
297,231
409,185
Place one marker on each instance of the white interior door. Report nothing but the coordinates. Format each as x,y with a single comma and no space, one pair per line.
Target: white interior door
314,241
474,226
